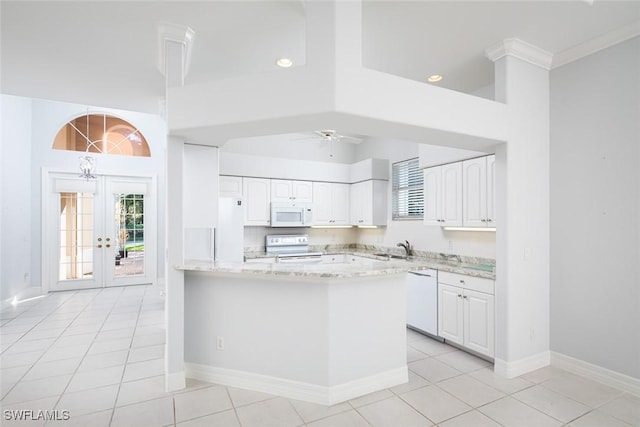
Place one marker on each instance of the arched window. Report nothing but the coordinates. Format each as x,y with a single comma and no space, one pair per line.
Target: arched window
102,133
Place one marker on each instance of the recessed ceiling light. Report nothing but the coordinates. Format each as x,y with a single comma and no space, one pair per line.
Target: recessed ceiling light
434,78
284,62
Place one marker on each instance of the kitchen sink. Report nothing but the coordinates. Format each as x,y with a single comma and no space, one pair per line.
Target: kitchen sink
386,255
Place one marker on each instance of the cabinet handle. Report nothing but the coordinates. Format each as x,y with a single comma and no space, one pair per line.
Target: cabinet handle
459,295
98,246
108,239
99,239
465,297
108,245
483,220
462,281
489,220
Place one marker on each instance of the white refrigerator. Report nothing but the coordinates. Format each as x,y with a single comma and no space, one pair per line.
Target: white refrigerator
229,236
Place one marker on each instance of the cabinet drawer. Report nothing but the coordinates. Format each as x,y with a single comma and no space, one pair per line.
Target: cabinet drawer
468,282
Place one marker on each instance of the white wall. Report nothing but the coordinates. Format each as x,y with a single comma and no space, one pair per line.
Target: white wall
15,219
595,209
29,128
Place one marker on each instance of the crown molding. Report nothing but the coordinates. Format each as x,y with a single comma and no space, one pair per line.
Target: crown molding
174,33
596,44
521,50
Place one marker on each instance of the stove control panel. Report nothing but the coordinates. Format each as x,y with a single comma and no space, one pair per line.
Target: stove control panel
275,240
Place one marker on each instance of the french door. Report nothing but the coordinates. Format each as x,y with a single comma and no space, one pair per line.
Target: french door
99,232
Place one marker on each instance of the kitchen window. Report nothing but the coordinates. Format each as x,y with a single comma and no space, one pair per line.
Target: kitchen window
407,190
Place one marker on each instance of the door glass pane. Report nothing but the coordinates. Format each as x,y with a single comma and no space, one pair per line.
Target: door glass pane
130,249
76,236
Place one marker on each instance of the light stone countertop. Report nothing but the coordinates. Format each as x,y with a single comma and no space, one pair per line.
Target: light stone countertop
372,266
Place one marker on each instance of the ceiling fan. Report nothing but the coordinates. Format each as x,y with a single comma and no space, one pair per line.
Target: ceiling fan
329,135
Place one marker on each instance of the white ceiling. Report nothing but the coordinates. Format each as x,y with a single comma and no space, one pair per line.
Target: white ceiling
104,52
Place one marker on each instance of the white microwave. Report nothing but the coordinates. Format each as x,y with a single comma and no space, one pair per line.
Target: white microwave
291,214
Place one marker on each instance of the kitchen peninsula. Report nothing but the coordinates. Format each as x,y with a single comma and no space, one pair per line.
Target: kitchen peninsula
323,333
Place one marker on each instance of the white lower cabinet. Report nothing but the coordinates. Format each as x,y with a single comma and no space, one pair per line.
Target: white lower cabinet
466,311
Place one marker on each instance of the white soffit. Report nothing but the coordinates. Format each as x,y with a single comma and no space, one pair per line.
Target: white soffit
521,50
596,44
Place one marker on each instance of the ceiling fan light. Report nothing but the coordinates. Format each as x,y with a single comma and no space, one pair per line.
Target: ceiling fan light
434,78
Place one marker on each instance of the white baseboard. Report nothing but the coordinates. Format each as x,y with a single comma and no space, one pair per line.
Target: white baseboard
522,366
175,381
308,392
24,294
596,373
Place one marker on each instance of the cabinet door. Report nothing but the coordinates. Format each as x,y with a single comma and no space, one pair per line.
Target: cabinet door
356,203
281,190
322,205
302,191
479,322
379,202
452,194
450,313
340,204
432,196
366,213
491,191
230,186
256,193
474,192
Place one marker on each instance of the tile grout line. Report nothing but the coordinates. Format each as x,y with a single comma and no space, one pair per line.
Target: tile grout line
47,348
115,402
88,348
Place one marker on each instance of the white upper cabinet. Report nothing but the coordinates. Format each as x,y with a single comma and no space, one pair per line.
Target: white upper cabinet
443,195
331,203
369,204
290,191
478,176
230,186
257,199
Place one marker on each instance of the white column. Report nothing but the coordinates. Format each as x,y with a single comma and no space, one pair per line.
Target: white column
522,171
174,43
174,303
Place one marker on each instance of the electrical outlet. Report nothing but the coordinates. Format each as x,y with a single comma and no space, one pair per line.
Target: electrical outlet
220,343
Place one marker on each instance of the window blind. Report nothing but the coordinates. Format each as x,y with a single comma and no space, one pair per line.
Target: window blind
407,190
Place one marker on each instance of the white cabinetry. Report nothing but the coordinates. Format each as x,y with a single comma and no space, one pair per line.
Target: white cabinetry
368,204
478,183
331,203
286,191
443,195
466,311
230,186
257,198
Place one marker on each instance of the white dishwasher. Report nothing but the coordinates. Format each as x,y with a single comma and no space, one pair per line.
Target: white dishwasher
422,301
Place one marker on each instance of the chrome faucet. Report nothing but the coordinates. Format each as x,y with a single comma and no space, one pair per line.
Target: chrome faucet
407,247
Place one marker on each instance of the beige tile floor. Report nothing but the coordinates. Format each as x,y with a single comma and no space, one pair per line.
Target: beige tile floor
98,354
